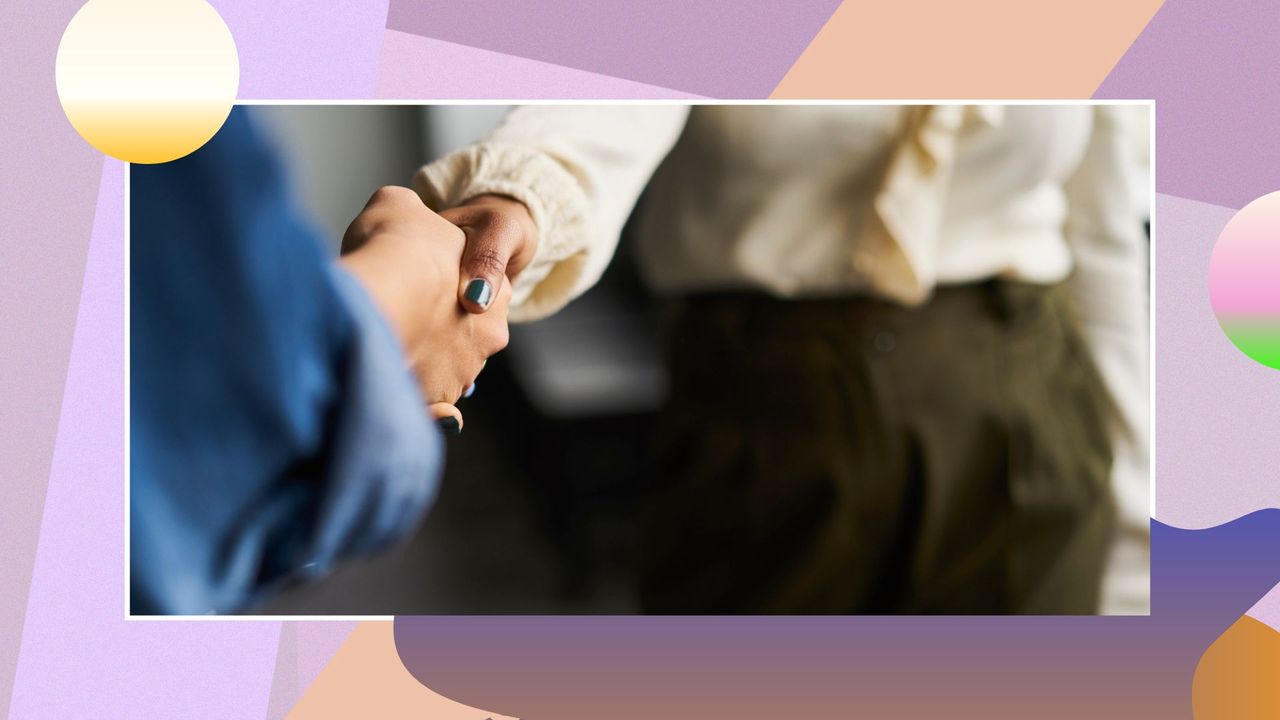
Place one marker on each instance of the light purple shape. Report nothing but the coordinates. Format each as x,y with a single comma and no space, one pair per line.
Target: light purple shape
1268,609
716,48
306,50
284,682
317,642
80,658
1212,68
415,67
1216,420
305,649
48,185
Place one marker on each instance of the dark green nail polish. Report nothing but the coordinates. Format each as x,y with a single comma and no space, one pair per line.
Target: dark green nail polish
479,292
449,425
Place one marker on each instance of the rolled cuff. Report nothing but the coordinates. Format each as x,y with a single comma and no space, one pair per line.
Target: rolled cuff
556,202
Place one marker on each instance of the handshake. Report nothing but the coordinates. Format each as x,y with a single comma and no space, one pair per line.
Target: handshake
443,281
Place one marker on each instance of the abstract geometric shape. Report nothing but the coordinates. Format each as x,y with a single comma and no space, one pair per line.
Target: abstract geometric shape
716,48
1244,280
1267,610
416,67
365,678
284,681
317,642
1216,424
308,51
990,49
48,192
80,657
147,81
883,667
1237,676
1211,67
305,648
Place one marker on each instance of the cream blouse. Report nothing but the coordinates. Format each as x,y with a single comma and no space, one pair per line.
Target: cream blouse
807,201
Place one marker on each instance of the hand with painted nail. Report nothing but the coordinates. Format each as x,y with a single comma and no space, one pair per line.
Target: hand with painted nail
407,257
501,241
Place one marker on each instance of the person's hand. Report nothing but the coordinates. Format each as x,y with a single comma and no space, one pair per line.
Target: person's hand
501,240
407,257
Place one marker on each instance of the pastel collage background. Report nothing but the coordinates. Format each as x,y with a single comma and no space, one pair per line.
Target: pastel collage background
1209,648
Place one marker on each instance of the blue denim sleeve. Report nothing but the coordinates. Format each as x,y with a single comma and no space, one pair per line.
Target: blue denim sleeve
274,428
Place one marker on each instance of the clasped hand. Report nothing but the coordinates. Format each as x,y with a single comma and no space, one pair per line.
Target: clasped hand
442,280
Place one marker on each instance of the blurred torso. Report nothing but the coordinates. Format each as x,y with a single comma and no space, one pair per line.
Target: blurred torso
780,198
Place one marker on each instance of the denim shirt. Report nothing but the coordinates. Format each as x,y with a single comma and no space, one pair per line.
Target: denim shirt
274,426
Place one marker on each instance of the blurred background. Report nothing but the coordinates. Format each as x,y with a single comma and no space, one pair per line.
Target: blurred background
517,528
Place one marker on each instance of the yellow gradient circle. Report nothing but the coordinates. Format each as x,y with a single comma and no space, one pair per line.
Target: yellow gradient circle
147,81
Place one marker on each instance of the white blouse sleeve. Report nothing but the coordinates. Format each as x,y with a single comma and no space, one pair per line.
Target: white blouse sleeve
1109,200
579,170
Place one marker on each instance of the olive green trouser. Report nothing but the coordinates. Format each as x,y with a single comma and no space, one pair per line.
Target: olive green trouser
854,456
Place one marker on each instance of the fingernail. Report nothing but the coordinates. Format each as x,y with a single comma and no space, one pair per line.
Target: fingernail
479,292
449,425
471,390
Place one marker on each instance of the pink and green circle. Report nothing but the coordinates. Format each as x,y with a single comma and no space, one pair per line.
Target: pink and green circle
1244,280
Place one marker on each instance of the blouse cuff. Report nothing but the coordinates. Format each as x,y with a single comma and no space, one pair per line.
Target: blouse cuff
556,203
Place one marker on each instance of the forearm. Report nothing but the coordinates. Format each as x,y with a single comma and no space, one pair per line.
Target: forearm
275,427
578,171
390,272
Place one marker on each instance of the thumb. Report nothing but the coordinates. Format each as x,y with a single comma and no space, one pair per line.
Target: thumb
448,418
494,238
484,268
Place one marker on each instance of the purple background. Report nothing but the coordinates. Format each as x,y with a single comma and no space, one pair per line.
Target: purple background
66,651
718,48
1213,68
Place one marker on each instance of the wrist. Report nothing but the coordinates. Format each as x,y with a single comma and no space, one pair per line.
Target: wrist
505,203
400,280
515,214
